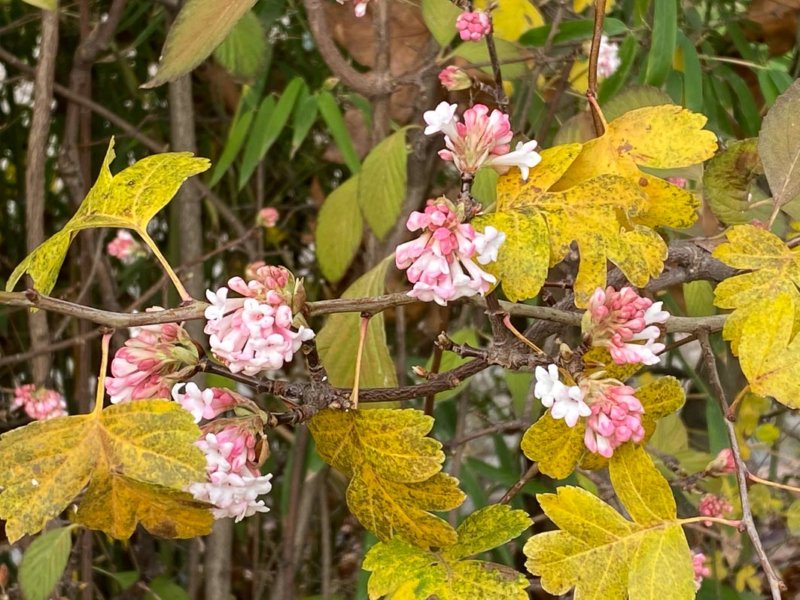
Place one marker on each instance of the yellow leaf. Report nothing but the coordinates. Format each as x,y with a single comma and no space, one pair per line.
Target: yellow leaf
46,464
128,199
514,192
395,470
164,512
402,571
748,416
603,555
774,272
768,354
512,18
659,137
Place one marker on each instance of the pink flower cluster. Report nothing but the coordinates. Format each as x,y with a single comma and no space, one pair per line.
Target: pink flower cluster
608,60
454,79
712,505
473,26
440,261
39,403
234,481
483,139
148,365
614,414
125,247
700,568
203,404
616,418
620,320
254,333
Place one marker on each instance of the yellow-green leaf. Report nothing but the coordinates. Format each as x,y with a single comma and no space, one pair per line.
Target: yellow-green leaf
769,355
660,137
244,50
440,18
382,183
522,264
779,146
340,228
404,571
43,4
199,28
603,555
774,272
512,18
128,199
395,470
46,464
44,562
337,341
555,446
729,183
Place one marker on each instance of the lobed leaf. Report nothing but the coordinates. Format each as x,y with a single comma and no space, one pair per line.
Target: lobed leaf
128,199
774,271
395,470
46,464
603,555
401,570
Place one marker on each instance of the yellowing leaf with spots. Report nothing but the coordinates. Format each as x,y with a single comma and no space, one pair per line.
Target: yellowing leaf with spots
774,271
604,555
395,470
400,570
128,199
541,225
512,18
769,354
45,465
658,137
558,449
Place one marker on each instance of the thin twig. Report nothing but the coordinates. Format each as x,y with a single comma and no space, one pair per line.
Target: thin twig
591,91
775,583
515,489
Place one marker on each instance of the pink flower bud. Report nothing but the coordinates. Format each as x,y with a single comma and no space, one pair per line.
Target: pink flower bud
723,463
39,403
125,247
268,217
712,505
454,79
700,568
473,26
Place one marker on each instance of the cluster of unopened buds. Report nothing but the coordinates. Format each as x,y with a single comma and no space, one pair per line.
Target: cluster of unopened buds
125,247
231,447
483,139
613,414
255,333
608,60
473,26
151,362
39,403
441,261
620,321
712,505
454,78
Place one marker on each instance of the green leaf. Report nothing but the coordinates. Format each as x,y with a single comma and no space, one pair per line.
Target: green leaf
338,339
400,570
632,98
335,121
382,183
570,31
440,19
692,74
662,45
699,298
270,121
779,146
243,53
484,186
729,183
200,26
304,117
163,588
44,562
236,137
128,199
610,86
603,555
340,228
508,55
